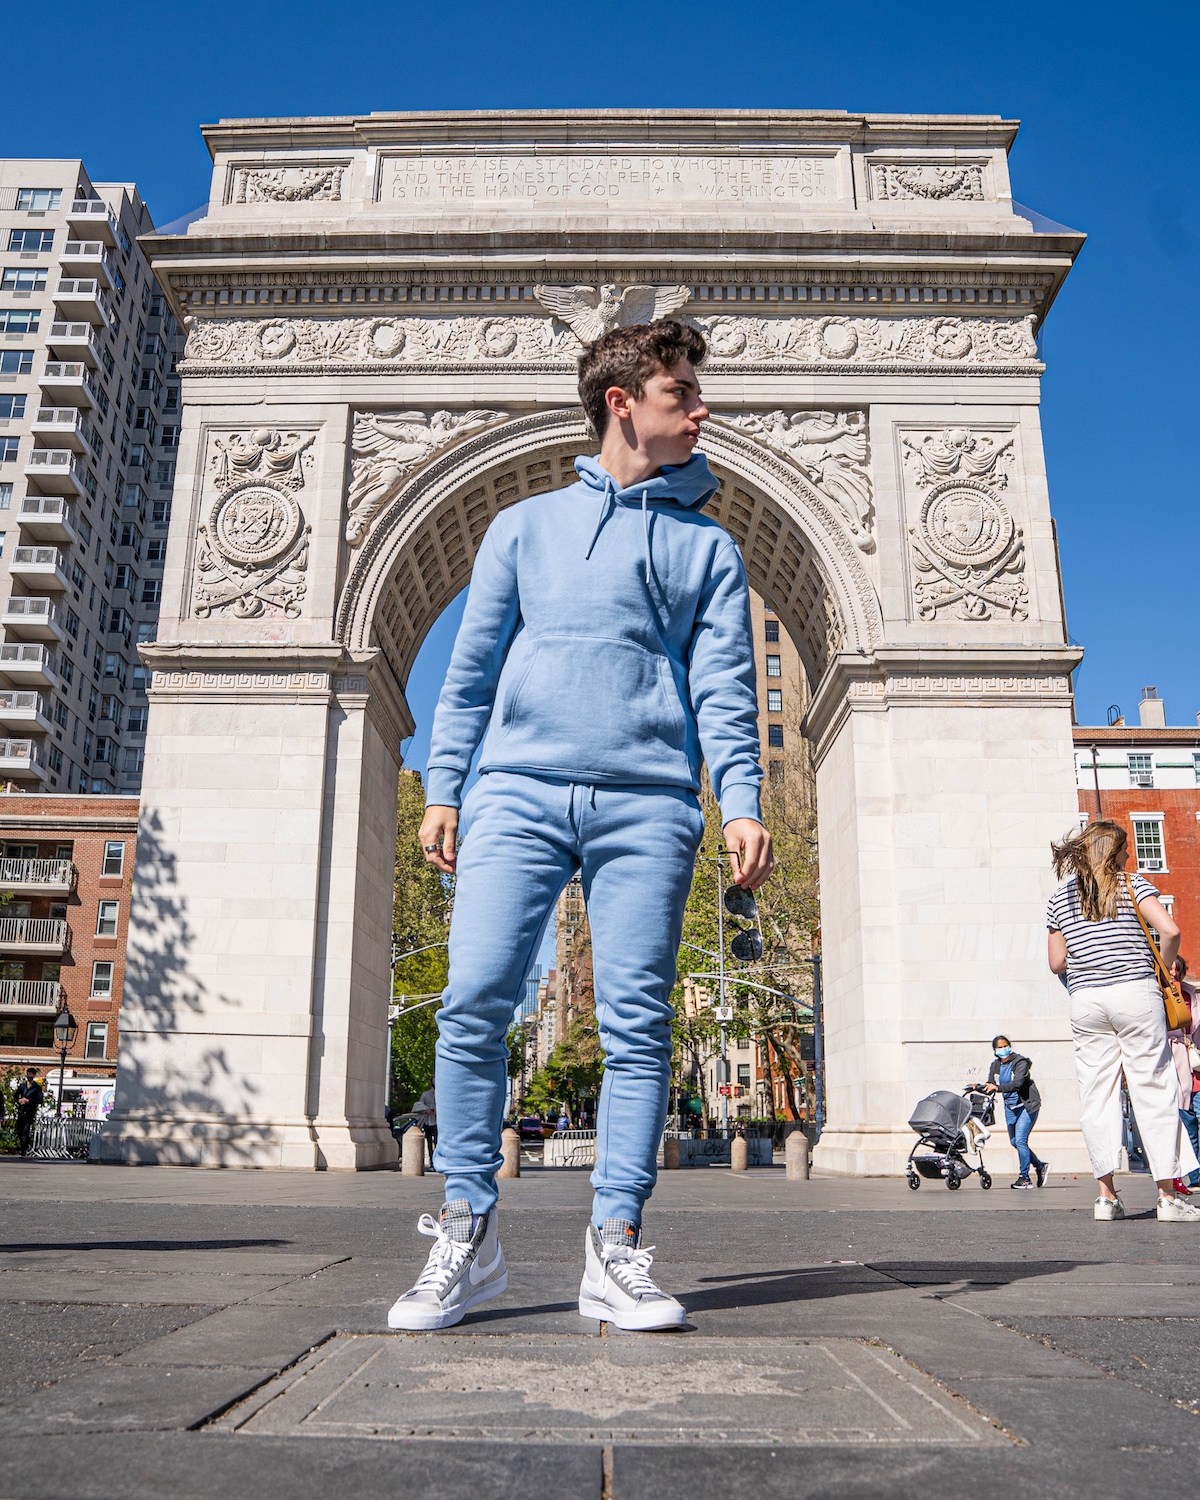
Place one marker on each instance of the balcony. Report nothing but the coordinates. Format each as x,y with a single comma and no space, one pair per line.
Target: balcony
37,877
61,427
55,471
91,217
40,996
89,258
21,760
41,568
26,664
47,518
22,709
83,298
31,617
34,935
76,341
69,381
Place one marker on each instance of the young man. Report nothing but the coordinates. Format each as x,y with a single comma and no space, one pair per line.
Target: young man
607,640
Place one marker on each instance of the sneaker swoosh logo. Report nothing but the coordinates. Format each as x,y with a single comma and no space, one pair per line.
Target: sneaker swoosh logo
478,1274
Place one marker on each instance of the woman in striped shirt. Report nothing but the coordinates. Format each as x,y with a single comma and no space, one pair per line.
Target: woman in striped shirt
1117,1017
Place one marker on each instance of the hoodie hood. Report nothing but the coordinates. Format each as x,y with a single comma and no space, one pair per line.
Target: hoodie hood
687,485
690,485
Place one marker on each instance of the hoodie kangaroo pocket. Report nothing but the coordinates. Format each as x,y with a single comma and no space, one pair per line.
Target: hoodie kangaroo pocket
583,703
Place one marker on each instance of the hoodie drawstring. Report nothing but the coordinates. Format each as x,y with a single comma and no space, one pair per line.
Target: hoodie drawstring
600,515
646,534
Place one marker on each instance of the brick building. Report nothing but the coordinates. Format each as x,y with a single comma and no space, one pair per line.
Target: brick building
66,869
1146,776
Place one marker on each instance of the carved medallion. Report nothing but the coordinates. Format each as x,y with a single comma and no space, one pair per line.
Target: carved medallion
254,524
964,525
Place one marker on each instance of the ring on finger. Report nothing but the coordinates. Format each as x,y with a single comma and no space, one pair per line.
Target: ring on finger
431,848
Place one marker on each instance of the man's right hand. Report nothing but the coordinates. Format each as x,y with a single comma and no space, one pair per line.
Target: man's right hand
439,837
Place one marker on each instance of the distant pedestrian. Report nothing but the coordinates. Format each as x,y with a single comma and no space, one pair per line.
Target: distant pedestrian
564,1120
1010,1076
1117,1016
1186,1057
29,1101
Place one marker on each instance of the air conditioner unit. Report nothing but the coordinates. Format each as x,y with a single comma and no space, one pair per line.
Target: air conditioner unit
1151,864
1141,778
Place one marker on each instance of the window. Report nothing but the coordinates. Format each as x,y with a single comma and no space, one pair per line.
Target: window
743,1075
8,449
97,1040
774,667
160,510
40,199
39,241
170,437
137,456
147,631
6,504
102,977
156,549
8,1033
20,320
44,1036
23,279
126,579
114,857
1141,769
775,736
137,722
72,624
88,742
774,700
106,918
772,629
1196,765
12,407
1148,841
16,362
131,537
135,759
146,423
152,591
164,473
55,758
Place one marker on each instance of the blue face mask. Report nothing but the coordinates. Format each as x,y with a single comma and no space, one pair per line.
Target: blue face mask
1003,1052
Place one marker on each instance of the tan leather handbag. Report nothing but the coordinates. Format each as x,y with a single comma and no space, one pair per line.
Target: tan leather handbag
1179,1018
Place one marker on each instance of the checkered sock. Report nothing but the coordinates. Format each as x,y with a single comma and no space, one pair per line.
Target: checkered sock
621,1232
458,1221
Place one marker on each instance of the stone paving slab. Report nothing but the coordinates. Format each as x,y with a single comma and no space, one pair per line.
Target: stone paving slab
679,1389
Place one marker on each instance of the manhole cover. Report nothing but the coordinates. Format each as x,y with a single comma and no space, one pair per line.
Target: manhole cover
547,1388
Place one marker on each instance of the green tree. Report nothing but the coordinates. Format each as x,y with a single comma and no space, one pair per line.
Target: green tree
421,920
573,1072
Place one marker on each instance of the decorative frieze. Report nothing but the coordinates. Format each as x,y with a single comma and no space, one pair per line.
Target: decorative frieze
831,450
829,342
389,446
235,683
252,554
931,181
288,184
967,552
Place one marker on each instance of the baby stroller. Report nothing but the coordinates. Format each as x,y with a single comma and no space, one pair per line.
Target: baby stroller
949,1127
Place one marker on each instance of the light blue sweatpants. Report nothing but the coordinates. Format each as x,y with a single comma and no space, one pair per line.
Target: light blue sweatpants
524,837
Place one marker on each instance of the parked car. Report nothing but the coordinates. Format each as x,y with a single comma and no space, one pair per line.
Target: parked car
531,1128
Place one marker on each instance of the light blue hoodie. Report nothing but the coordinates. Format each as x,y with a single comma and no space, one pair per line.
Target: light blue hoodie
607,639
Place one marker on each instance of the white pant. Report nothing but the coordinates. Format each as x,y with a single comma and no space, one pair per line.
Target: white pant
1124,1027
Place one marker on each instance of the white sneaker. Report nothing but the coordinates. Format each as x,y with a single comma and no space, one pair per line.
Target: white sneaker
1177,1211
617,1286
465,1267
1108,1208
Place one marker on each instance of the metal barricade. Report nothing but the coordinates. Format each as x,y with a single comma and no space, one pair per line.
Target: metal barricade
570,1148
67,1139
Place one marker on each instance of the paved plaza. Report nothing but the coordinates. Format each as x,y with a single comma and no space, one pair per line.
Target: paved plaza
216,1334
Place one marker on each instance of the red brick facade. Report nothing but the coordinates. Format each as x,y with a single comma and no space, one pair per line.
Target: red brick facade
64,858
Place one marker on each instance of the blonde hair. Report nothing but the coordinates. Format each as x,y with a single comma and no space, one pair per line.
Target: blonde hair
1093,856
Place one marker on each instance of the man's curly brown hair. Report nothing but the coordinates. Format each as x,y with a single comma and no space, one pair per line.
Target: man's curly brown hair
628,357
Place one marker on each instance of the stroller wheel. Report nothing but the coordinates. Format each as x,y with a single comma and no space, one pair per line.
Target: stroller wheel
954,1182
914,1181
985,1180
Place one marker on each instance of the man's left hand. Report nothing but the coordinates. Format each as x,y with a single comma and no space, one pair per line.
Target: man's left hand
750,845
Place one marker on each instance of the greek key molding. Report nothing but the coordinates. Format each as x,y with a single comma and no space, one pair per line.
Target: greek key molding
233,683
515,342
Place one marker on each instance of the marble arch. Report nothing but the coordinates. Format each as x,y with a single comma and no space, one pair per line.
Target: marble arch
384,314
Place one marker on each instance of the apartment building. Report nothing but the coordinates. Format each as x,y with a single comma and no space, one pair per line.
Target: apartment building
1146,776
89,428
66,870
783,694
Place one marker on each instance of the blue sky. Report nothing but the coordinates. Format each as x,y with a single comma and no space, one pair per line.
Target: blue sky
1108,145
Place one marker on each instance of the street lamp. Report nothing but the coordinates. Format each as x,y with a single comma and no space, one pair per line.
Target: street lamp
65,1032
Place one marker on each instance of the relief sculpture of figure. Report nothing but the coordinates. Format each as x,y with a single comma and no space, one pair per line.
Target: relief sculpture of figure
262,454
388,446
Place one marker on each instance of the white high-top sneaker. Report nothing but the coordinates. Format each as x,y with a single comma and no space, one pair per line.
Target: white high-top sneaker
1177,1211
465,1267
617,1286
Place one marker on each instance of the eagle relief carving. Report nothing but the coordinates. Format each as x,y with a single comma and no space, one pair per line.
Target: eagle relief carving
589,313
387,447
968,553
253,551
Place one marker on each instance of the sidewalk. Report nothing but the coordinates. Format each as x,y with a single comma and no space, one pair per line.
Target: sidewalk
221,1334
